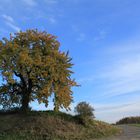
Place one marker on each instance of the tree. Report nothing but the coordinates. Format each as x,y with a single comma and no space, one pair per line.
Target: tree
84,109
33,68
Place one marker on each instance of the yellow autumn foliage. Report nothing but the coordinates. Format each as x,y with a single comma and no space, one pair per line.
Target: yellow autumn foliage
42,70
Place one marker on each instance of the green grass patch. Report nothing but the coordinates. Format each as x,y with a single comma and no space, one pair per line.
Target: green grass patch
137,125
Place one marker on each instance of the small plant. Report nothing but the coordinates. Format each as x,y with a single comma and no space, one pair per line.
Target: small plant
84,109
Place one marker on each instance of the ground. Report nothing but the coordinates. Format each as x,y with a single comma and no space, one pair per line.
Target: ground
129,133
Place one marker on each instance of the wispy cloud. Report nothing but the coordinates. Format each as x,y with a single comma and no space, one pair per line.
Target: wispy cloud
116,80
104,108
14,27
8,18
121,72
51,1
51,19
10,22
101,35
81,37
30,2
123,76
111,113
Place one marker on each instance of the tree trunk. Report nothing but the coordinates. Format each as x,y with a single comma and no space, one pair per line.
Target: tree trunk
56,109
56,105
25,102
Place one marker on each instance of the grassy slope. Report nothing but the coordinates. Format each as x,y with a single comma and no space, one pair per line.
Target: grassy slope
129,120
51,126
138,125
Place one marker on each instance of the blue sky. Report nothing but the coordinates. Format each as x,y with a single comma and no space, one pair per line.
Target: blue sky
103,37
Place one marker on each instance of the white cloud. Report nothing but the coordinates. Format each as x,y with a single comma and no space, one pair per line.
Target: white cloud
111,113
10,22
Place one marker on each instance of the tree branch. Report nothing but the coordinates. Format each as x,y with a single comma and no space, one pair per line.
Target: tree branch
21,78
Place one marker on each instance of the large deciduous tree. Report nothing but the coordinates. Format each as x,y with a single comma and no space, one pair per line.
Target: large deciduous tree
33,68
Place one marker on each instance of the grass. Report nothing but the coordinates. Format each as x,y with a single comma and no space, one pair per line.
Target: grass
137,125
49,125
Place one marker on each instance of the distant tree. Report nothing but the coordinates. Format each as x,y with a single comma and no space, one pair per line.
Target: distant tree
84,109
33,68
129,120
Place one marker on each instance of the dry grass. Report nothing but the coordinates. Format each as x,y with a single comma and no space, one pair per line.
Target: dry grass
52,126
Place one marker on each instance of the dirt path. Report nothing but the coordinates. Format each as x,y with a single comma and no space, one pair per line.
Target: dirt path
129,133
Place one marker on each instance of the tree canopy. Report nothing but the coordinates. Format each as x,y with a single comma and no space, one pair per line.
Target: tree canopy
84,109
33,68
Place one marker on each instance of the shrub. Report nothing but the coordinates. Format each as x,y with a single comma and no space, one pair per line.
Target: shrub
84,109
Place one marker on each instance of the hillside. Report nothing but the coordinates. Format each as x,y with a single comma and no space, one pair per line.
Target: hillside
129,120
51,126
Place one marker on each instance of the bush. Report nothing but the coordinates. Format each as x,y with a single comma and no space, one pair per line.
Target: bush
84,109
